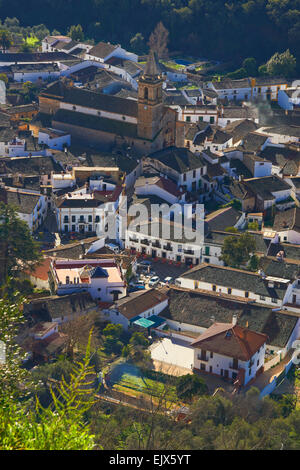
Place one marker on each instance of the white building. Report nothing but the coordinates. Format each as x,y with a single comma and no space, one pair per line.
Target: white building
2,92
87,211
267,290
289,98
230,351
161,187
31,205
54,139
146,304
103,51
101,278
236,90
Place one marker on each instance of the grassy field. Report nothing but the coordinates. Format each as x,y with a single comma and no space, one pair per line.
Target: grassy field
127,376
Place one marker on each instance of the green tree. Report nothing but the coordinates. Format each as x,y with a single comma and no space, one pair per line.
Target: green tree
236,251
60,426
4,78
18,250
113,330
253,263
5,39
138,44
262,70
253,226
29,91
251,66
239,73
189,385
282,64
138,339
231,229
76,33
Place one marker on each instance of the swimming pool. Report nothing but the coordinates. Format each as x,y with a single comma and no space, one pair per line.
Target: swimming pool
182,62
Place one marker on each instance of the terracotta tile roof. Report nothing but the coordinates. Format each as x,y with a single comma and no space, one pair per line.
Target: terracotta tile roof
231,340
41,270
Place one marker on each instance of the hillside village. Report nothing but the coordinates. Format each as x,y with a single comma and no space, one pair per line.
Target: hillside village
106,129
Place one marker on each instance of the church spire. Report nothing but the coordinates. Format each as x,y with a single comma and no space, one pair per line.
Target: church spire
153,70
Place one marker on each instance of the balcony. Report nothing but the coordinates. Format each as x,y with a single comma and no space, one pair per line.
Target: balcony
202,358
145,242
188,252
233,366
156,245
168,248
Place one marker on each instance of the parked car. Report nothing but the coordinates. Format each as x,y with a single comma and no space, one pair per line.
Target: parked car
167,281
153,281
113,247
136,287
144,263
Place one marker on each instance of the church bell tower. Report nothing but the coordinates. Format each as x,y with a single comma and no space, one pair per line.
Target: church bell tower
150,104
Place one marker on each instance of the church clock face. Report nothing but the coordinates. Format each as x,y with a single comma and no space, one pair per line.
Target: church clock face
145,107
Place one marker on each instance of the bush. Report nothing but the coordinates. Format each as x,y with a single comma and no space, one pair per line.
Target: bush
190,385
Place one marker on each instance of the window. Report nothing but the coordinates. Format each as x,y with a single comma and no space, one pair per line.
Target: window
66,218
74,108
188,119
214,288
90,228
262,297
194,173
90,218
229,290
184,176
211,119
73,218
274,301
246,294
202,366
211,354
200,118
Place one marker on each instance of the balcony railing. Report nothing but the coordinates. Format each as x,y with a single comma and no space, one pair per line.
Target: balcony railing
168,248
203,358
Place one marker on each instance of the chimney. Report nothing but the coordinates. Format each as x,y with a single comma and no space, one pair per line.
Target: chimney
234,320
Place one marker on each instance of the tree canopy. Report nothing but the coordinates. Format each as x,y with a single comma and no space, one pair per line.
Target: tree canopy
236,251
18,250
229,31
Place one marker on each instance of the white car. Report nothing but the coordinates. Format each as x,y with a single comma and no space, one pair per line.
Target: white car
153,281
